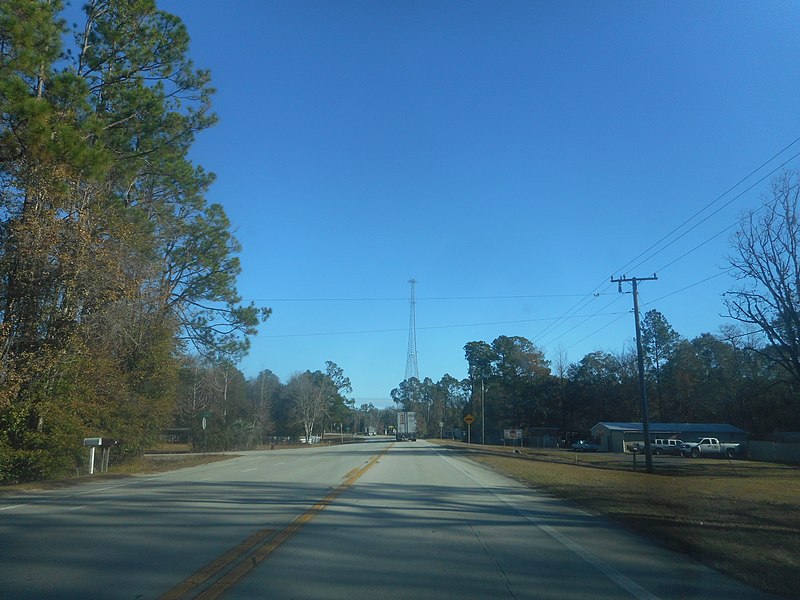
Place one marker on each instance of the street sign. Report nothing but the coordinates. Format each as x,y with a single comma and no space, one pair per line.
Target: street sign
469,419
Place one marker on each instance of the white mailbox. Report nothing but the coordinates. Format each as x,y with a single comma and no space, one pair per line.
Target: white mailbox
93,444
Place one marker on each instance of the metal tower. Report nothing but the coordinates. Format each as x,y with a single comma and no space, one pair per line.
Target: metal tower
412,369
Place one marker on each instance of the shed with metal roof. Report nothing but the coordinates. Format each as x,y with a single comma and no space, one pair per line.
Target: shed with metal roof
616,437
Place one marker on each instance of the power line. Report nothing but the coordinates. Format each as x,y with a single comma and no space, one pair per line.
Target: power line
691,285
587,318
555,325
696,225
584,299
431,327
631,266
596,331
418,299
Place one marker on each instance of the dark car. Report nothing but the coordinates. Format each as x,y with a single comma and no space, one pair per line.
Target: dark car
585,446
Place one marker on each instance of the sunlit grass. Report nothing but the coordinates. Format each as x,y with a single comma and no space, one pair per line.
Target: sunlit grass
158,464
740,517
134,466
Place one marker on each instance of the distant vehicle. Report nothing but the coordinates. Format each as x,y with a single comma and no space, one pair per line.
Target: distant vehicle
314,439
371,431
666,446
406,426
710,447
585,446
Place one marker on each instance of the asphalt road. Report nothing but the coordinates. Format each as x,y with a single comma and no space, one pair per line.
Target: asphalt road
376,519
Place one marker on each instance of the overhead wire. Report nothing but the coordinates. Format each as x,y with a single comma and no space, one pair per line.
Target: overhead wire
632,263
589,317
629,265
428,327
696,225
596,331
683,289
584,299
418,298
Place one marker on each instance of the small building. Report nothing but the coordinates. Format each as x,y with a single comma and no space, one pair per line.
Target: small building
616,437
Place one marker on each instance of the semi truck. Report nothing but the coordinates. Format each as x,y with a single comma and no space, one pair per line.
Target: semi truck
406,426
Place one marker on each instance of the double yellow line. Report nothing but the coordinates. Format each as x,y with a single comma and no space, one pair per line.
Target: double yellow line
244,557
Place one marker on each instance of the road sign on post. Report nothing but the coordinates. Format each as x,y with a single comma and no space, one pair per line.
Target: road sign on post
469,420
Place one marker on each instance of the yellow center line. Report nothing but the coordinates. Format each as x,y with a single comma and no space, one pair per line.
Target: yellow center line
215,566
263,544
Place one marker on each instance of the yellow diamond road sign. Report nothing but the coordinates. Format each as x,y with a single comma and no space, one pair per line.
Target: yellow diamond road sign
469,419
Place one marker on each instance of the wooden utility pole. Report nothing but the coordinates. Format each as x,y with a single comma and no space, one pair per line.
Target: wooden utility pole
648,455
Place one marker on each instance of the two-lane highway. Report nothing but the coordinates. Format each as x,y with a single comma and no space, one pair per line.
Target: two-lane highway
140,536
376,519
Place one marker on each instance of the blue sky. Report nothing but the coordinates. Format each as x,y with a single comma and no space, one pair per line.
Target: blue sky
510,156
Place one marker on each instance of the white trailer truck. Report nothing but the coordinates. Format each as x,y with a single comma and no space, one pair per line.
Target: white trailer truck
406,426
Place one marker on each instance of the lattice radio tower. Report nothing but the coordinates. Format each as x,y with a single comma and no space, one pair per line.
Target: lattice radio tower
412,369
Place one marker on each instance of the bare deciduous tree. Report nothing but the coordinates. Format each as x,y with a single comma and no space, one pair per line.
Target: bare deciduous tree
316,394
767,263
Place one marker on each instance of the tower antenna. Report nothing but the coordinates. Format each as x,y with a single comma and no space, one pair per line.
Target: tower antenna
412,369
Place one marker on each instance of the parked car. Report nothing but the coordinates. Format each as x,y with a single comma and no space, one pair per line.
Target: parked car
585,446
667,446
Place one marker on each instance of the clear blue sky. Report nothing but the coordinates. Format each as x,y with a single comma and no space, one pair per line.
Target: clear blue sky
487,149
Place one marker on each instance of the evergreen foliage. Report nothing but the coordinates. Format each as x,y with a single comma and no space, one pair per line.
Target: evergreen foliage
112,264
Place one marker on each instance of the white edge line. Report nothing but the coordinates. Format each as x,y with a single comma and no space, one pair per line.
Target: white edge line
633,588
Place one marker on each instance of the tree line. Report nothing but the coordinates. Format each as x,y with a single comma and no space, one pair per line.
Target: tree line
730,376
240,413
119,313
113,266
718,378
747,374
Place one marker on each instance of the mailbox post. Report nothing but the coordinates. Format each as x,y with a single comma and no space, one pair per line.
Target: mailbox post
635,449
93,444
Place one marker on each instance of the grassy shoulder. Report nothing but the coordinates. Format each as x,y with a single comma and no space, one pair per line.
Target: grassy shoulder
142,465
740,517
158,459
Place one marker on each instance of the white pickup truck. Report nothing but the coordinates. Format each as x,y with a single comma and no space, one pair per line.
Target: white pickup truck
710,447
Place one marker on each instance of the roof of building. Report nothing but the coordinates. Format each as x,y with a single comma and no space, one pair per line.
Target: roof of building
672,427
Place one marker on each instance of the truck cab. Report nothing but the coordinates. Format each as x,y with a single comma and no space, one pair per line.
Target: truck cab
709,446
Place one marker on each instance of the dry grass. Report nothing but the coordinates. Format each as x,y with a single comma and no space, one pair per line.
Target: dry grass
159,463
740,517
170,447
141,465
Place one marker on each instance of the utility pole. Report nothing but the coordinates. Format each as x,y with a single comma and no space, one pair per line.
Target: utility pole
648,455
483,414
